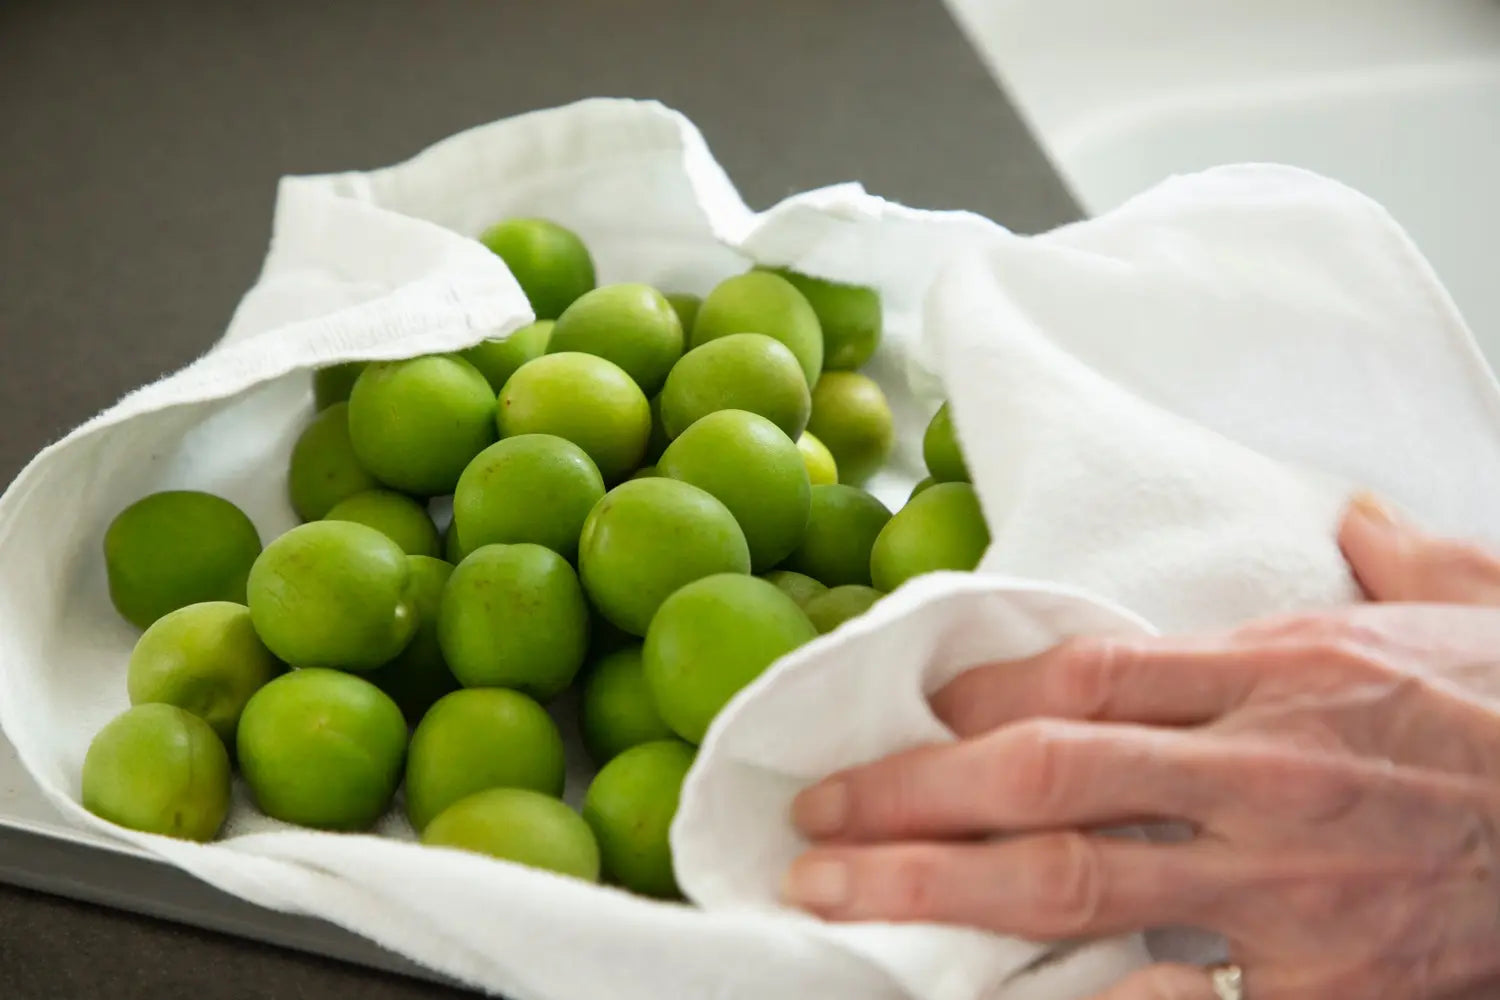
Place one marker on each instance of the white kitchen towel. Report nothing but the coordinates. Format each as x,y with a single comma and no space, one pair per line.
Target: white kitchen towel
1162,408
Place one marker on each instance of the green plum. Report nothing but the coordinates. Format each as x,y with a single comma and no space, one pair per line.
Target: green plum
453,549
585,399
520,826
761,302
416,424
333,383
497,360
741,371
322,748
514,616
419,675
645,472
798,586
942,528
822,470
616,711
158,769
851,417
176,548
842,525
710,639
850,316
648,537
332,594
550,262
395,515
685,305
755,470
630,805
921,485
476,739
832,608
529,488
656,442
324,469
940,449
632,325
205,658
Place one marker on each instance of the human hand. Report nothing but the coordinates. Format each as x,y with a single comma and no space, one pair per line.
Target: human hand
1340,773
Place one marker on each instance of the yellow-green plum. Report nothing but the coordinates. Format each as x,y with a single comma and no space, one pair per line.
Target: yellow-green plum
710,639
850,316
647,538
332,594
520,826
761,302
395,515
822,470
837,605
514,616
921,485
632,325
416,424
324,468
419,675
940,449
176,548
941,528
685,305
630,805
842,524
584,399
550,263
755,470
323,749
333,383
851,417
740,371
204,658
497,360
476,739
158,769
798,586
535,488
453,547
616,711
656,441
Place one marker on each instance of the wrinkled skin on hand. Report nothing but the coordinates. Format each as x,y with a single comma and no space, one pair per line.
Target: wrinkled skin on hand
1340,774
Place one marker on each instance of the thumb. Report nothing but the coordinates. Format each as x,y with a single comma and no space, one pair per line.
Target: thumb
1394,560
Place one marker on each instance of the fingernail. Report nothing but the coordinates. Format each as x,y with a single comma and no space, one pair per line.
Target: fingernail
1374,510
819,883
822,810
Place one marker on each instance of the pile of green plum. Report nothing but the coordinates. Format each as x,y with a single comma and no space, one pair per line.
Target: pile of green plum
653,498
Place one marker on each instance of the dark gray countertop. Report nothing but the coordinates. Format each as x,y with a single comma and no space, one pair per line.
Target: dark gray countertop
140,144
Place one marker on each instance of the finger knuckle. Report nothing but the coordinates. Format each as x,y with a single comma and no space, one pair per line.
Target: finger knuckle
1451,560
911,885
1027,772
1089,671
1071,884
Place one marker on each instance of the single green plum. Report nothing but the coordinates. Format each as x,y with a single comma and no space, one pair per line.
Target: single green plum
550,263
520,826
476,739
685,305
322,749
324,468
416,424
755,470
648,537
514,616
710,639
333,383
837,605
158,769
851,417
419,675
760,302
535,488
921,485
740,371
850,316
822,470
204,658
657,440
395,515
632,325
585,399
842,525
497,360
942,528
630,805
176,548
453,547
940,449
332,594
616,711
798,586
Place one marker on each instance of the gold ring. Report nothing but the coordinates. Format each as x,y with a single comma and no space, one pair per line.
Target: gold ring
1228,982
